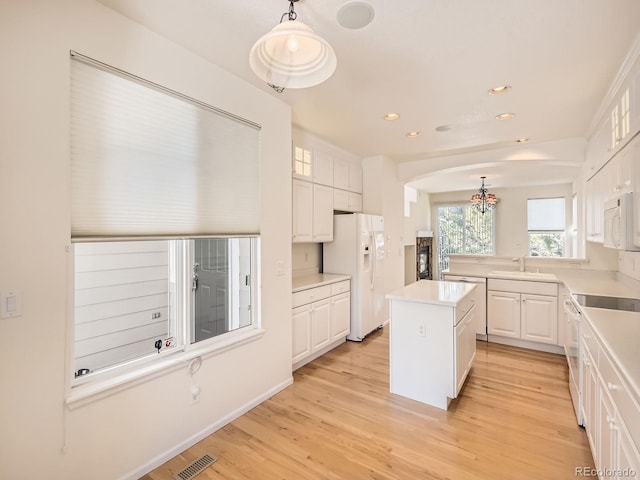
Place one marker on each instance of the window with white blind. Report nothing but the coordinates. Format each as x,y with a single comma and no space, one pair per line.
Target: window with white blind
546,225
463,229
165,222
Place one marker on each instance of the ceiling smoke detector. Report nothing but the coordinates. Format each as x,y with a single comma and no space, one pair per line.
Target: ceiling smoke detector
355,15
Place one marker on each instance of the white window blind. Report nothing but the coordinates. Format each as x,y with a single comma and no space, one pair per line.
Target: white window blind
546,214
148,162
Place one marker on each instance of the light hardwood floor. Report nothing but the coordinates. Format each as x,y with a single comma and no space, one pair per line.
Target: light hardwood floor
513,420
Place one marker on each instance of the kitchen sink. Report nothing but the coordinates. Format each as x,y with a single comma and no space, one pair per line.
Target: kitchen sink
524,275
610,303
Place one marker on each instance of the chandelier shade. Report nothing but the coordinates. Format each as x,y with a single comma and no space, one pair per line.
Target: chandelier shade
483,200
292,55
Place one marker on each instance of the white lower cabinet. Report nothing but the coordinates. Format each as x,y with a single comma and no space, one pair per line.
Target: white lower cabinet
523,310
340,316
321,319
320,324
611,414
431,348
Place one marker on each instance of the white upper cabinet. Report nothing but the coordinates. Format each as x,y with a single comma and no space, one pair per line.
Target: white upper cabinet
322,168
347,175
302,160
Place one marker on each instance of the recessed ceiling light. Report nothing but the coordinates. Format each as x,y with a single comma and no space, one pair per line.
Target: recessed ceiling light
522,140
499,90
505,116
392,116
355,15
443,128
413,134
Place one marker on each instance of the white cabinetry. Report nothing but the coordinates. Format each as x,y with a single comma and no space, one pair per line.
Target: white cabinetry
503,314
523,310
431,346
312,165
302,208
594,196
321,320
347,201
347,175
611,414
312,212
322,168
479,296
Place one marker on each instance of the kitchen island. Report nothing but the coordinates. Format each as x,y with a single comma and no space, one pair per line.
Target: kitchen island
431,340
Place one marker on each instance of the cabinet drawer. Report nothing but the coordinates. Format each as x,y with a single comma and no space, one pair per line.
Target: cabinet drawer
627,407
463,307
523,286
340,287
590,341
311,295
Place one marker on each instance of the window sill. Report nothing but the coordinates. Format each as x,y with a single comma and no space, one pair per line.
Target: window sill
100,388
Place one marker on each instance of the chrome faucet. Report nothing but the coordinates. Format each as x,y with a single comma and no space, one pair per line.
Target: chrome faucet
520,261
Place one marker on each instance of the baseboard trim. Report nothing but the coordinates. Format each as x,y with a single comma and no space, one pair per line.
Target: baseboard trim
189,442
514,342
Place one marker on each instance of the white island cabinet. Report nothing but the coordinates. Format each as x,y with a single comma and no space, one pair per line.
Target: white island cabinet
432,340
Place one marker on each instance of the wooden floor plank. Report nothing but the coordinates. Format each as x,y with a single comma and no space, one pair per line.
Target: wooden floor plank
513,419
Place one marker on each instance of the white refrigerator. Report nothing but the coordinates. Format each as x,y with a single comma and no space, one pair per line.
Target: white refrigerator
358,250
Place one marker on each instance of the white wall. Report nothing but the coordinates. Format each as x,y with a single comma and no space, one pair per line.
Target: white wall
420,218
383,194
123,434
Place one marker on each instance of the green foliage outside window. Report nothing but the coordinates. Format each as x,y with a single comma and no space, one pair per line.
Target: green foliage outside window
463,229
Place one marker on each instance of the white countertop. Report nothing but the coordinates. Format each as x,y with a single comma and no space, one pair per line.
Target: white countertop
619,331
316,280
433,291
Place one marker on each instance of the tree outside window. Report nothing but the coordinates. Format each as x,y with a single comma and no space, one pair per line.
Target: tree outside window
463,229
546,227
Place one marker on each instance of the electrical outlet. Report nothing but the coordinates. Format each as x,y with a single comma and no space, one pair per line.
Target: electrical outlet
422,330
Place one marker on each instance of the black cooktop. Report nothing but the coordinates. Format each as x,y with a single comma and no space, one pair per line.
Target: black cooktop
611,303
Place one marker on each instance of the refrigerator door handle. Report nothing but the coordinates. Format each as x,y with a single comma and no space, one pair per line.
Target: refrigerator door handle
374,261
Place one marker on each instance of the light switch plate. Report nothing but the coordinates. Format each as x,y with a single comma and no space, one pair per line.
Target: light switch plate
10,304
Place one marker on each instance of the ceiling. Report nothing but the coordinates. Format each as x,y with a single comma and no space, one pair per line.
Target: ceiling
433,62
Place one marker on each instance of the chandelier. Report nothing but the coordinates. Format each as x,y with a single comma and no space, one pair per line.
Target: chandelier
292,55
483,200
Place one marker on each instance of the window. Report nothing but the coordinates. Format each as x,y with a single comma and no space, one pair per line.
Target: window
463,229
546,227
165,223
131,295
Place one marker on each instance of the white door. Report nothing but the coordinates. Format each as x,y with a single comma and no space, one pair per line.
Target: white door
539,318
322,213
503,314
301,325
340,316
320,324
302,205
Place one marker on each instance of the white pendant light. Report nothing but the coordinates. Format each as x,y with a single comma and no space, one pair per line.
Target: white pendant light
291,55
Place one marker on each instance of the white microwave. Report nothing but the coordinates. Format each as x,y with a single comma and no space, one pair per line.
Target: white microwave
618,223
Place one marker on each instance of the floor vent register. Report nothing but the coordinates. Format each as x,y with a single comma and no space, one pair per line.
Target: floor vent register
195,468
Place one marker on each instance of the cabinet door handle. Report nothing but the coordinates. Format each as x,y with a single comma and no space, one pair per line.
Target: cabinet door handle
612,386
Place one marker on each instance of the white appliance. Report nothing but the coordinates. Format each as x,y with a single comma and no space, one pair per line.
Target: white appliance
574,357
618,223
358,250
480,296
